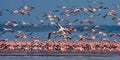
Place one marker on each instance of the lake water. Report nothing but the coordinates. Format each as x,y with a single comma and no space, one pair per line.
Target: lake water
57,58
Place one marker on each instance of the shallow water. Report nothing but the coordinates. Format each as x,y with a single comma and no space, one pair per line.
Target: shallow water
58,58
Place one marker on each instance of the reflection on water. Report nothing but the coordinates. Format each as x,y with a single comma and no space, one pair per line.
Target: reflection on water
57,58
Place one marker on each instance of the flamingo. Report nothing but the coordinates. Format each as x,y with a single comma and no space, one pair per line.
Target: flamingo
87,21
61,31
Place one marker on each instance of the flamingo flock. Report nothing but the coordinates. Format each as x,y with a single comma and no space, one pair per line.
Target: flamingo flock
59,18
